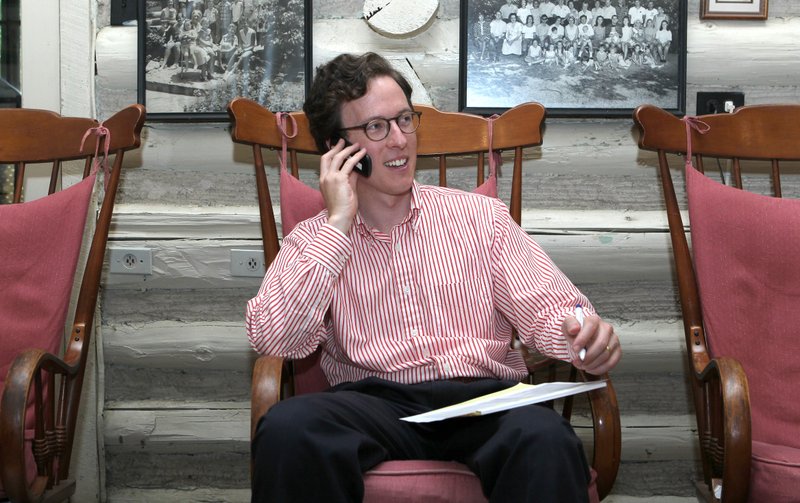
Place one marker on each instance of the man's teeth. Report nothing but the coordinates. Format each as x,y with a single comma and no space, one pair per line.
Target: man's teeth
395,164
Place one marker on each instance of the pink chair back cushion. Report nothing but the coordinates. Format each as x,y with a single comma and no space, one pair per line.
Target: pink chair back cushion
41,241
432,482
300,202
488,188
747,254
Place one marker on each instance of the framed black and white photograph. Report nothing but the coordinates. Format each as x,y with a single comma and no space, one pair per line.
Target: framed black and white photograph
576,57
197,55
733,9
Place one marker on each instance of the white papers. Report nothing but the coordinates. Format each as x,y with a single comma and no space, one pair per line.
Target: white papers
516,396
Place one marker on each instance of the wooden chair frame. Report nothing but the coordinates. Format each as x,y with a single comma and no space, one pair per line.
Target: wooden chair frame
31,137
719,384
255,126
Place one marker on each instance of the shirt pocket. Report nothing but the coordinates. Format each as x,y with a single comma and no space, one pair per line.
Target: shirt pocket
461,308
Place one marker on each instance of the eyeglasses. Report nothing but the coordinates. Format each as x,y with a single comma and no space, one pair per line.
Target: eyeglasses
378,129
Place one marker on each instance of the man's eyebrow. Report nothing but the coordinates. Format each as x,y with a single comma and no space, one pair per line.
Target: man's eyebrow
372,118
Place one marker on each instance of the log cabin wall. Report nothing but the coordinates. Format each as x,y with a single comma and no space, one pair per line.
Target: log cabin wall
174,362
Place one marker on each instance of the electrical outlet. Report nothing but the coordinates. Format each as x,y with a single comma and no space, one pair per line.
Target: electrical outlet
248,263
130,260
718,103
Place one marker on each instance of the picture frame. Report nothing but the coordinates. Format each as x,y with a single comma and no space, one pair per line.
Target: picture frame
733,9
189,68
495,74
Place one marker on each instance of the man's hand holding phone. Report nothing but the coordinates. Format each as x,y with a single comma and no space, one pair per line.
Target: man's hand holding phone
336,183
364,166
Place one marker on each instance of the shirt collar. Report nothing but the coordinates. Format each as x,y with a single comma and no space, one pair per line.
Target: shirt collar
416,206
412,218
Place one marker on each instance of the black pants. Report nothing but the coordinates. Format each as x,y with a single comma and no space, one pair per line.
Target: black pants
316,447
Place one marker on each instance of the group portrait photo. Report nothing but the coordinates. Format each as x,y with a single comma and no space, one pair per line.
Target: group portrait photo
576,57
196,55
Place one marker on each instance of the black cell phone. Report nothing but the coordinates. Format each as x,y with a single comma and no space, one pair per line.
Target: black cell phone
364,166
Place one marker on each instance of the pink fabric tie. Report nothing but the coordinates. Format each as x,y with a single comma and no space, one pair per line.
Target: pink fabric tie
280,118
298,201
103,135
495,159
489,187
693,122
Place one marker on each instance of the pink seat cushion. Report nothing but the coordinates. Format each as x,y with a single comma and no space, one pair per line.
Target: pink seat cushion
41,243
430,481
774,473
747,250
414,481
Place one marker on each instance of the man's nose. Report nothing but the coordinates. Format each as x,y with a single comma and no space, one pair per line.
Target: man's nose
396,136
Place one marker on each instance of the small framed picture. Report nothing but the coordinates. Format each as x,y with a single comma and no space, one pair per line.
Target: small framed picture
197,55
577,58
733,9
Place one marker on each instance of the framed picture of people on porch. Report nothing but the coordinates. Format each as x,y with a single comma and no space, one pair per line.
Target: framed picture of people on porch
576,57
196,55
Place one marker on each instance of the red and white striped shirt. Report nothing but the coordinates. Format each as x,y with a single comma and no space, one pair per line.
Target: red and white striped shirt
435,299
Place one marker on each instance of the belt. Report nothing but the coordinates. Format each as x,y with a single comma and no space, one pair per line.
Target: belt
467,379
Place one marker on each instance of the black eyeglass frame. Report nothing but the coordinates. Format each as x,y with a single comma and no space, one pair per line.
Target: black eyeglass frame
388,121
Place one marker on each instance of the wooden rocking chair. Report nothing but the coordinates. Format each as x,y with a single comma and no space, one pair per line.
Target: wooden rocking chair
274,378
39,257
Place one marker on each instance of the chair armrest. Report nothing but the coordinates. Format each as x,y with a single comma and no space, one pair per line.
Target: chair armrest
607,433
266,388
606,425
22,375
727,414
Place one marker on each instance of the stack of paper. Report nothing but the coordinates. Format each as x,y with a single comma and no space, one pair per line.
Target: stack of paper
516,396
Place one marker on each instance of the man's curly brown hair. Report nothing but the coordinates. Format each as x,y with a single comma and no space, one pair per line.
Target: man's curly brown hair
338,81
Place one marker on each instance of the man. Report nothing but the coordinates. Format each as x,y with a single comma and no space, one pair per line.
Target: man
510,7
543,29
585,11
561,11
409,319
225,15
237,9
536,11
546,8
498,29
650,12
482,38
608,12
525,11
168,15
637,12
185,8
169,35
212,14
247,39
